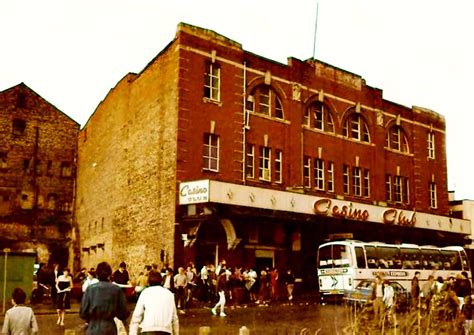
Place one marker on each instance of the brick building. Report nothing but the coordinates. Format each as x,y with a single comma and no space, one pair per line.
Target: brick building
214,152
37,175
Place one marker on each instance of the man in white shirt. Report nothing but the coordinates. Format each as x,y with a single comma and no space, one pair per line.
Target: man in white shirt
155,311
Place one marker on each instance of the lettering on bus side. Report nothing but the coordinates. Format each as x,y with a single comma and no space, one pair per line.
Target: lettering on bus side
333,271
396,217
324,207
390,273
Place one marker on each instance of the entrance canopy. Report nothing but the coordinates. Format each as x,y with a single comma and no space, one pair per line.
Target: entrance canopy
206,191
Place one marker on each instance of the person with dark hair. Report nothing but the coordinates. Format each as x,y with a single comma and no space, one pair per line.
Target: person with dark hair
155,312
90,280
121,275
63,299
102,302
19,319
415,290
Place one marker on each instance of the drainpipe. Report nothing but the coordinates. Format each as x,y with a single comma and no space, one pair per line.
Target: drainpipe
245,121
35,186
6,251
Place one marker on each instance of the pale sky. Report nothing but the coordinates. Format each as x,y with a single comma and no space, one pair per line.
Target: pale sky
419,52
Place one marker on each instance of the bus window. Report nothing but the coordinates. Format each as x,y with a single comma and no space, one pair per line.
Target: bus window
334,256
388,257
464,261
360,258
325,257
451,260
430,259
410,258
372,259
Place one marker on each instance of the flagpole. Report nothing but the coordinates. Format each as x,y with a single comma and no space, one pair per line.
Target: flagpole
315,28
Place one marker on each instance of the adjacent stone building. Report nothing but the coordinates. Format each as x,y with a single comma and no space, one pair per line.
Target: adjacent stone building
214,152
37,176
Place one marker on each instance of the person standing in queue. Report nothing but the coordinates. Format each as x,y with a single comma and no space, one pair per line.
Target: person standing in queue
155,312
377,298
415,289
102,302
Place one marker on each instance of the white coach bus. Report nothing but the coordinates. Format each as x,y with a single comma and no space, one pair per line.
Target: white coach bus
343,264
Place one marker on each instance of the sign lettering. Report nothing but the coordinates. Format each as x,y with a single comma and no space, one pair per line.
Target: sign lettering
397,217
325,207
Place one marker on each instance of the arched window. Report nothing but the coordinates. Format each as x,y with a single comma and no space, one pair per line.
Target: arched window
264,100
356,128
318,116
396,139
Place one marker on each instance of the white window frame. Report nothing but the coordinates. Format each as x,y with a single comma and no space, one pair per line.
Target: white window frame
366,183
319,174
346,179
262,105
433,196
431,145
211,145
357,181
398,189
307,117
406,190
264,168
330,180
307,171
250,161
356,128
213,82
278,166
388,187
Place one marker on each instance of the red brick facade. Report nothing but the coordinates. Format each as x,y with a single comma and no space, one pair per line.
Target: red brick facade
267,139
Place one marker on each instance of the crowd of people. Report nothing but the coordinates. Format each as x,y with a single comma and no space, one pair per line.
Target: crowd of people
159,295
454,294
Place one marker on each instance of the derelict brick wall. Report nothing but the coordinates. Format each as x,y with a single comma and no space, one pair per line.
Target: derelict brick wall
49,139
131,139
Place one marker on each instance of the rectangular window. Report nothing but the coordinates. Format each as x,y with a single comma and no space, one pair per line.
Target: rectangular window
406,191
26,166
319,174
433,196
19,126
66,169
357,181
49,168
355,128
249,105
264,167
212,84
3,161
307,171
345,179
264,103
366,183
250,161
431,145
211,152
318,117
39,167
397,189
278,166
388,187
330,177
